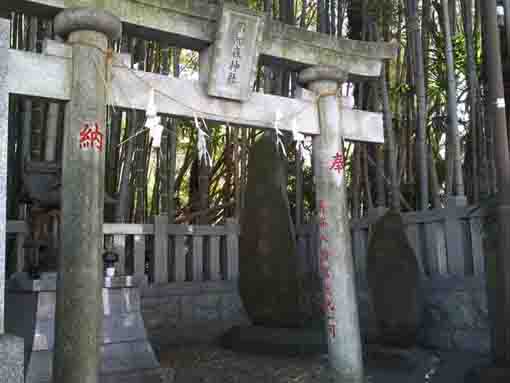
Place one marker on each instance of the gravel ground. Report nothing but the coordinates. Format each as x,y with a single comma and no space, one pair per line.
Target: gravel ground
212,364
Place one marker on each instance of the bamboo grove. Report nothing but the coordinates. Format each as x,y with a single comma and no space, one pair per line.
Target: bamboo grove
439,140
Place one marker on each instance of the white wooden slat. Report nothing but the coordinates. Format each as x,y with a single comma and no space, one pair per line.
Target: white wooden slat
128,228
359,252
180,258
139,255
20,252
232,250
436,248
475,226
119,246
161,249
454,246
214,257
442,259
198,258
413,233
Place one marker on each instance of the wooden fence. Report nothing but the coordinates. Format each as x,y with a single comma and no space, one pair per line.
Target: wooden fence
166,253
446,241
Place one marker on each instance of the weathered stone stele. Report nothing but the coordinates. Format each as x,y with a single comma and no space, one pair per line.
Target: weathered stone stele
268,269
235,53
394,282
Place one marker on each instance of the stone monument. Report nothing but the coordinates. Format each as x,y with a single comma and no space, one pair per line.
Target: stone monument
394,283
269,284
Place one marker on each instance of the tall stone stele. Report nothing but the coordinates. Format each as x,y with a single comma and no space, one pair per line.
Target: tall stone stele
80,277
269,284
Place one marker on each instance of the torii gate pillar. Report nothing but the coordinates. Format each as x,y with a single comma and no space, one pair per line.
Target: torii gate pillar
336,263
80,278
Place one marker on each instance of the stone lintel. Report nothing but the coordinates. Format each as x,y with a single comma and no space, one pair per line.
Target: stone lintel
193,24
50,77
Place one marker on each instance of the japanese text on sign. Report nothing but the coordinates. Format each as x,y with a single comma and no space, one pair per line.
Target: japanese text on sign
235,63
91,137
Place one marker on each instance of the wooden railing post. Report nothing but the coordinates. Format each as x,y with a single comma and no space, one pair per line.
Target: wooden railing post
214,257
455,246
119,245
198,258
179,271
161,249
20,252
232,249
139,255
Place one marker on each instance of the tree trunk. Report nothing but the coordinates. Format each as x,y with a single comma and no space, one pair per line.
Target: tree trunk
124,205
390,142
453,131
421,139
473,86
496,98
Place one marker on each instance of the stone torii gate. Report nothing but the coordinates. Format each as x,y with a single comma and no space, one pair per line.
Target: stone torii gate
231,41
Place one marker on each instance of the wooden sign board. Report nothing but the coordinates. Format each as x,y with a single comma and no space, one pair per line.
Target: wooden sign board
235,53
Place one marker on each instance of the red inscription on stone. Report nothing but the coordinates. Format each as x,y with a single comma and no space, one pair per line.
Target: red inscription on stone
338,163
324,254
91,137
322,208
328,306
332,327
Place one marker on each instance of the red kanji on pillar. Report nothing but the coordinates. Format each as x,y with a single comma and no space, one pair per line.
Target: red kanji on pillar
338,162
91,137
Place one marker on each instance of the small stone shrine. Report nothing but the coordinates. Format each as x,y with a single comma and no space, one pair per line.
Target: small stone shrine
394,283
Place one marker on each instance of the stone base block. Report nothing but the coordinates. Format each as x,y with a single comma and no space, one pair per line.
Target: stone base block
12,358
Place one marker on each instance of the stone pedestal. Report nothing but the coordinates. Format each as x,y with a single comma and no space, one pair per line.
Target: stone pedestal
125,353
